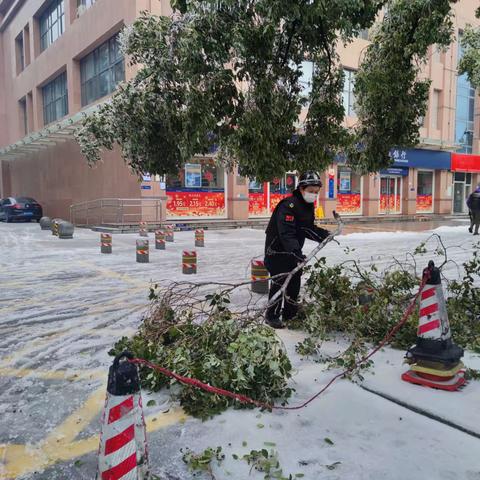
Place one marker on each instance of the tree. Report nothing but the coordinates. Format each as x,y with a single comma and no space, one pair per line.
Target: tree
227,75
470,61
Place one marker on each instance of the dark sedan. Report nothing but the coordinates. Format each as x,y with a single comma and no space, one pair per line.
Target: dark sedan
20,208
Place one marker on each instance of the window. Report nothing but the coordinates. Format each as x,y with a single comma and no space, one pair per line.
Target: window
20,53
465,110
306,78
348,97
55,99
363,34
435,110
82,5
101,71
52,24
23,115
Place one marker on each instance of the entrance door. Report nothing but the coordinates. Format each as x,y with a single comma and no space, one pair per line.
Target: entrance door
458,197
390,195
462,187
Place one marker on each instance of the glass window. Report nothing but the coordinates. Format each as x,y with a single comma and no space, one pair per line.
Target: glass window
465,107
306,78
55,99
52,23
101,71
363,34
349,188
85,3
20,53
23,115
425,192
348,97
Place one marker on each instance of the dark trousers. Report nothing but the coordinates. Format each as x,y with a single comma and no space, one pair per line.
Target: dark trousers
278,264
475,220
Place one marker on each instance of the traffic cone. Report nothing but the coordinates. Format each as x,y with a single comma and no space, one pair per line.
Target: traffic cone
123,444
435,359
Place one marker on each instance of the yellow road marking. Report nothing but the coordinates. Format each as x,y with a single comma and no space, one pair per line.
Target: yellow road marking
60,444
51,374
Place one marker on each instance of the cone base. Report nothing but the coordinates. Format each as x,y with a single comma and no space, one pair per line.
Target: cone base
451,385
436,370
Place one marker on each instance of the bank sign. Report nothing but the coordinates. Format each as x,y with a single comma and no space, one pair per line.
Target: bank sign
418,158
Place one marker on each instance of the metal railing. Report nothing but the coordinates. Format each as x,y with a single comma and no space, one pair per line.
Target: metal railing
119,211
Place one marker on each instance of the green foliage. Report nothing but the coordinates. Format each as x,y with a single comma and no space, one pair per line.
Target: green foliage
202,462
221,351
470,62
267,462
228,73
364,305
390,97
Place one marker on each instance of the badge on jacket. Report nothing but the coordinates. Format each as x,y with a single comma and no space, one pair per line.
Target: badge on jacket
289,218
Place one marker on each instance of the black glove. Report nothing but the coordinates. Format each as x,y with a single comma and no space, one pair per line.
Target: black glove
299,256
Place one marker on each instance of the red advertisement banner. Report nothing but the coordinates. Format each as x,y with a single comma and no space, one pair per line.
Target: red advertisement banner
195,204
275,199
390,203
424,203
349,203
257,204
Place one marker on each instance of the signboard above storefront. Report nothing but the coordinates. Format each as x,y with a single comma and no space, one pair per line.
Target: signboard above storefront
402,171
413,158
419,158
464,162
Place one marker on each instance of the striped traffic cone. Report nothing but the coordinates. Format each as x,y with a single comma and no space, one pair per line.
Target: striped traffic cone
435,359
123,444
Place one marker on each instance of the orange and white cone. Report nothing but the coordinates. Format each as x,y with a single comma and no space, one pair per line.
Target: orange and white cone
123,447
435,359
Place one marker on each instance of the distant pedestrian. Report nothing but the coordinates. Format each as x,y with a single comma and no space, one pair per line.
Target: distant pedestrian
473,204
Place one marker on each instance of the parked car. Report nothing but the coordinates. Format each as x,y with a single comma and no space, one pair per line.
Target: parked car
20,208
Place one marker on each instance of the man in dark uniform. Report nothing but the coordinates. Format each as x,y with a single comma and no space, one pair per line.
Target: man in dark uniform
292,221
473,204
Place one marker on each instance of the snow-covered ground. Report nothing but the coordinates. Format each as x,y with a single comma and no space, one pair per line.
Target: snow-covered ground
63,305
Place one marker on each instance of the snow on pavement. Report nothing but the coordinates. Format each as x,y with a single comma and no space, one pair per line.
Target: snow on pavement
63,305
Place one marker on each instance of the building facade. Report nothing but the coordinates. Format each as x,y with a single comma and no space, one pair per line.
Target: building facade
60,58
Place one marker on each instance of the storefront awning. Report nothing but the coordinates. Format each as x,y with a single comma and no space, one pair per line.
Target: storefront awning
464,162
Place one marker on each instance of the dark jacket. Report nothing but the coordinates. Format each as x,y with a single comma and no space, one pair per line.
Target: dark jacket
292,221
473,201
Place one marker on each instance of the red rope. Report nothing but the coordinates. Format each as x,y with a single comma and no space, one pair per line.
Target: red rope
245,399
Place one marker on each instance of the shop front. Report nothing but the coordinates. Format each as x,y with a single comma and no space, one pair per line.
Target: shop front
391,188
423,169
349,191
197,191
464,168
264,197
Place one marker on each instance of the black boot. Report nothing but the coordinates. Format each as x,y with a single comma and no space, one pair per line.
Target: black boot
275,323
470,230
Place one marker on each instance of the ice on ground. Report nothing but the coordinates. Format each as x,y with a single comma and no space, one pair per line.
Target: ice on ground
63,305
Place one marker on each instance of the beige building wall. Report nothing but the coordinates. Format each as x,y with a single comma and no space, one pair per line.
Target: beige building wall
57,175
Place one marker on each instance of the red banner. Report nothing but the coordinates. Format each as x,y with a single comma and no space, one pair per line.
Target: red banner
195,204
390,203
425,203
275,199
349,203
257,204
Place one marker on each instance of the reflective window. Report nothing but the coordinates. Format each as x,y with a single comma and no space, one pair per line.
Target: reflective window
348,97
101,71
52,23
306,78
465,106
55,99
